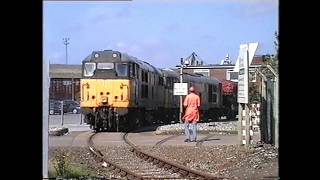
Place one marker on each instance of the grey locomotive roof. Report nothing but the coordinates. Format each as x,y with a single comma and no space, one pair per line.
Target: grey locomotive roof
142,64
107,55
104,55
169,73
190,77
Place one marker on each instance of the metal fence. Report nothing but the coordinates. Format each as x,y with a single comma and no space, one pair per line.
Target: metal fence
269,125
60,118
66,119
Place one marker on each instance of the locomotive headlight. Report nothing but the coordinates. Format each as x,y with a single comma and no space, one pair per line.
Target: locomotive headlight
114,55
96,55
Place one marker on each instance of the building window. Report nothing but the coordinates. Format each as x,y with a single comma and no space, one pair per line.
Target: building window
252,76
233,75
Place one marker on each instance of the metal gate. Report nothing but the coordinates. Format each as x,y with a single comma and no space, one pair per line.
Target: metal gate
269,125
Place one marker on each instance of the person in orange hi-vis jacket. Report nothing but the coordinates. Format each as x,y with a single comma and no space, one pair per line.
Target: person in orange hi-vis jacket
191,115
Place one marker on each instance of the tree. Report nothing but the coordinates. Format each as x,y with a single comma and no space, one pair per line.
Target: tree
272,60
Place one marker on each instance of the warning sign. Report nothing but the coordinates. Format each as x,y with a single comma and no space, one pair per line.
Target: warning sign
180,88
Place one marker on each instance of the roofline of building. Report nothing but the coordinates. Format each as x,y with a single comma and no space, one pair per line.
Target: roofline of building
208,67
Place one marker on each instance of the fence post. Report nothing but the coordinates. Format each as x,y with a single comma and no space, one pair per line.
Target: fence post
276,111
61,113
45,118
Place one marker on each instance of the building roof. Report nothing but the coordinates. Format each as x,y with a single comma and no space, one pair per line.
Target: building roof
194,60
257,60
65,71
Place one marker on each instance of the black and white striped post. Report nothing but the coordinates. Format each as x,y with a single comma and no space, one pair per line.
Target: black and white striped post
245,125
245,131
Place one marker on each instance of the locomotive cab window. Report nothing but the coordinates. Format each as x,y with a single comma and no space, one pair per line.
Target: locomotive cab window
214,88
132,69
89,69
122,69
212,96
105,66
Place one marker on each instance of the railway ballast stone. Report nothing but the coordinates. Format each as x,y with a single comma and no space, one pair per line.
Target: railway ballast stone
58,131
216,127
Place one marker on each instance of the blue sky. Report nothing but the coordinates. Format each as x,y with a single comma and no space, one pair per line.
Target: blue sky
158,31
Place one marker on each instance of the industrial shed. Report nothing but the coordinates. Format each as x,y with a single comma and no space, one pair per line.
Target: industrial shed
64,82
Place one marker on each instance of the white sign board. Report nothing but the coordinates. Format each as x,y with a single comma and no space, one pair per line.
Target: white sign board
246,54
243,88
252,51
180,88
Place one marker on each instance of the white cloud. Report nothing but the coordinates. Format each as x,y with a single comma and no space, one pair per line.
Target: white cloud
121,44
208,1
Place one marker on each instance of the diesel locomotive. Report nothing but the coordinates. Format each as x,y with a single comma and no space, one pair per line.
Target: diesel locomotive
120,92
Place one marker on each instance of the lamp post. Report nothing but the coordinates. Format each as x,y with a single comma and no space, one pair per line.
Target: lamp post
66,42
72,87
182,64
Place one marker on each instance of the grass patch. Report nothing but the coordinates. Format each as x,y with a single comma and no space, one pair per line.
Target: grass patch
61,167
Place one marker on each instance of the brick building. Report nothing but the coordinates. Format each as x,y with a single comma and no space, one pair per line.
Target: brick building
64,82
224,71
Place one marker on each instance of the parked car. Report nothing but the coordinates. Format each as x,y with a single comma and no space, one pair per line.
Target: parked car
54,107
69,106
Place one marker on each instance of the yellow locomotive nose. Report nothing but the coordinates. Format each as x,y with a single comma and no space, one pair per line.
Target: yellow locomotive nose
107,92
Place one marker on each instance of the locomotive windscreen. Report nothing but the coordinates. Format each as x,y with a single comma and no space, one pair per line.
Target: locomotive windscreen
122,69
105,66
89,69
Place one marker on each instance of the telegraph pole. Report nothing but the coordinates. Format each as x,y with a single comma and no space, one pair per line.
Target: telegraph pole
66,42
72,88
181,81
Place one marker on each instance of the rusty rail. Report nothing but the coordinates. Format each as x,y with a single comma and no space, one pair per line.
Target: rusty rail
99,156
183,170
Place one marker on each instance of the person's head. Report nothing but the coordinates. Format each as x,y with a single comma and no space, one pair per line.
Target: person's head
192,89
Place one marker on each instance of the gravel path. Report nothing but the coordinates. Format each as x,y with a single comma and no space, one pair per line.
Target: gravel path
229,161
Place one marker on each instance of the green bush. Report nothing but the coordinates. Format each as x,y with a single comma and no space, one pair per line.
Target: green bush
64,169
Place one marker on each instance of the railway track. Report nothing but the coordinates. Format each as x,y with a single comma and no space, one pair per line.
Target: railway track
164,140
200,142
134,163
